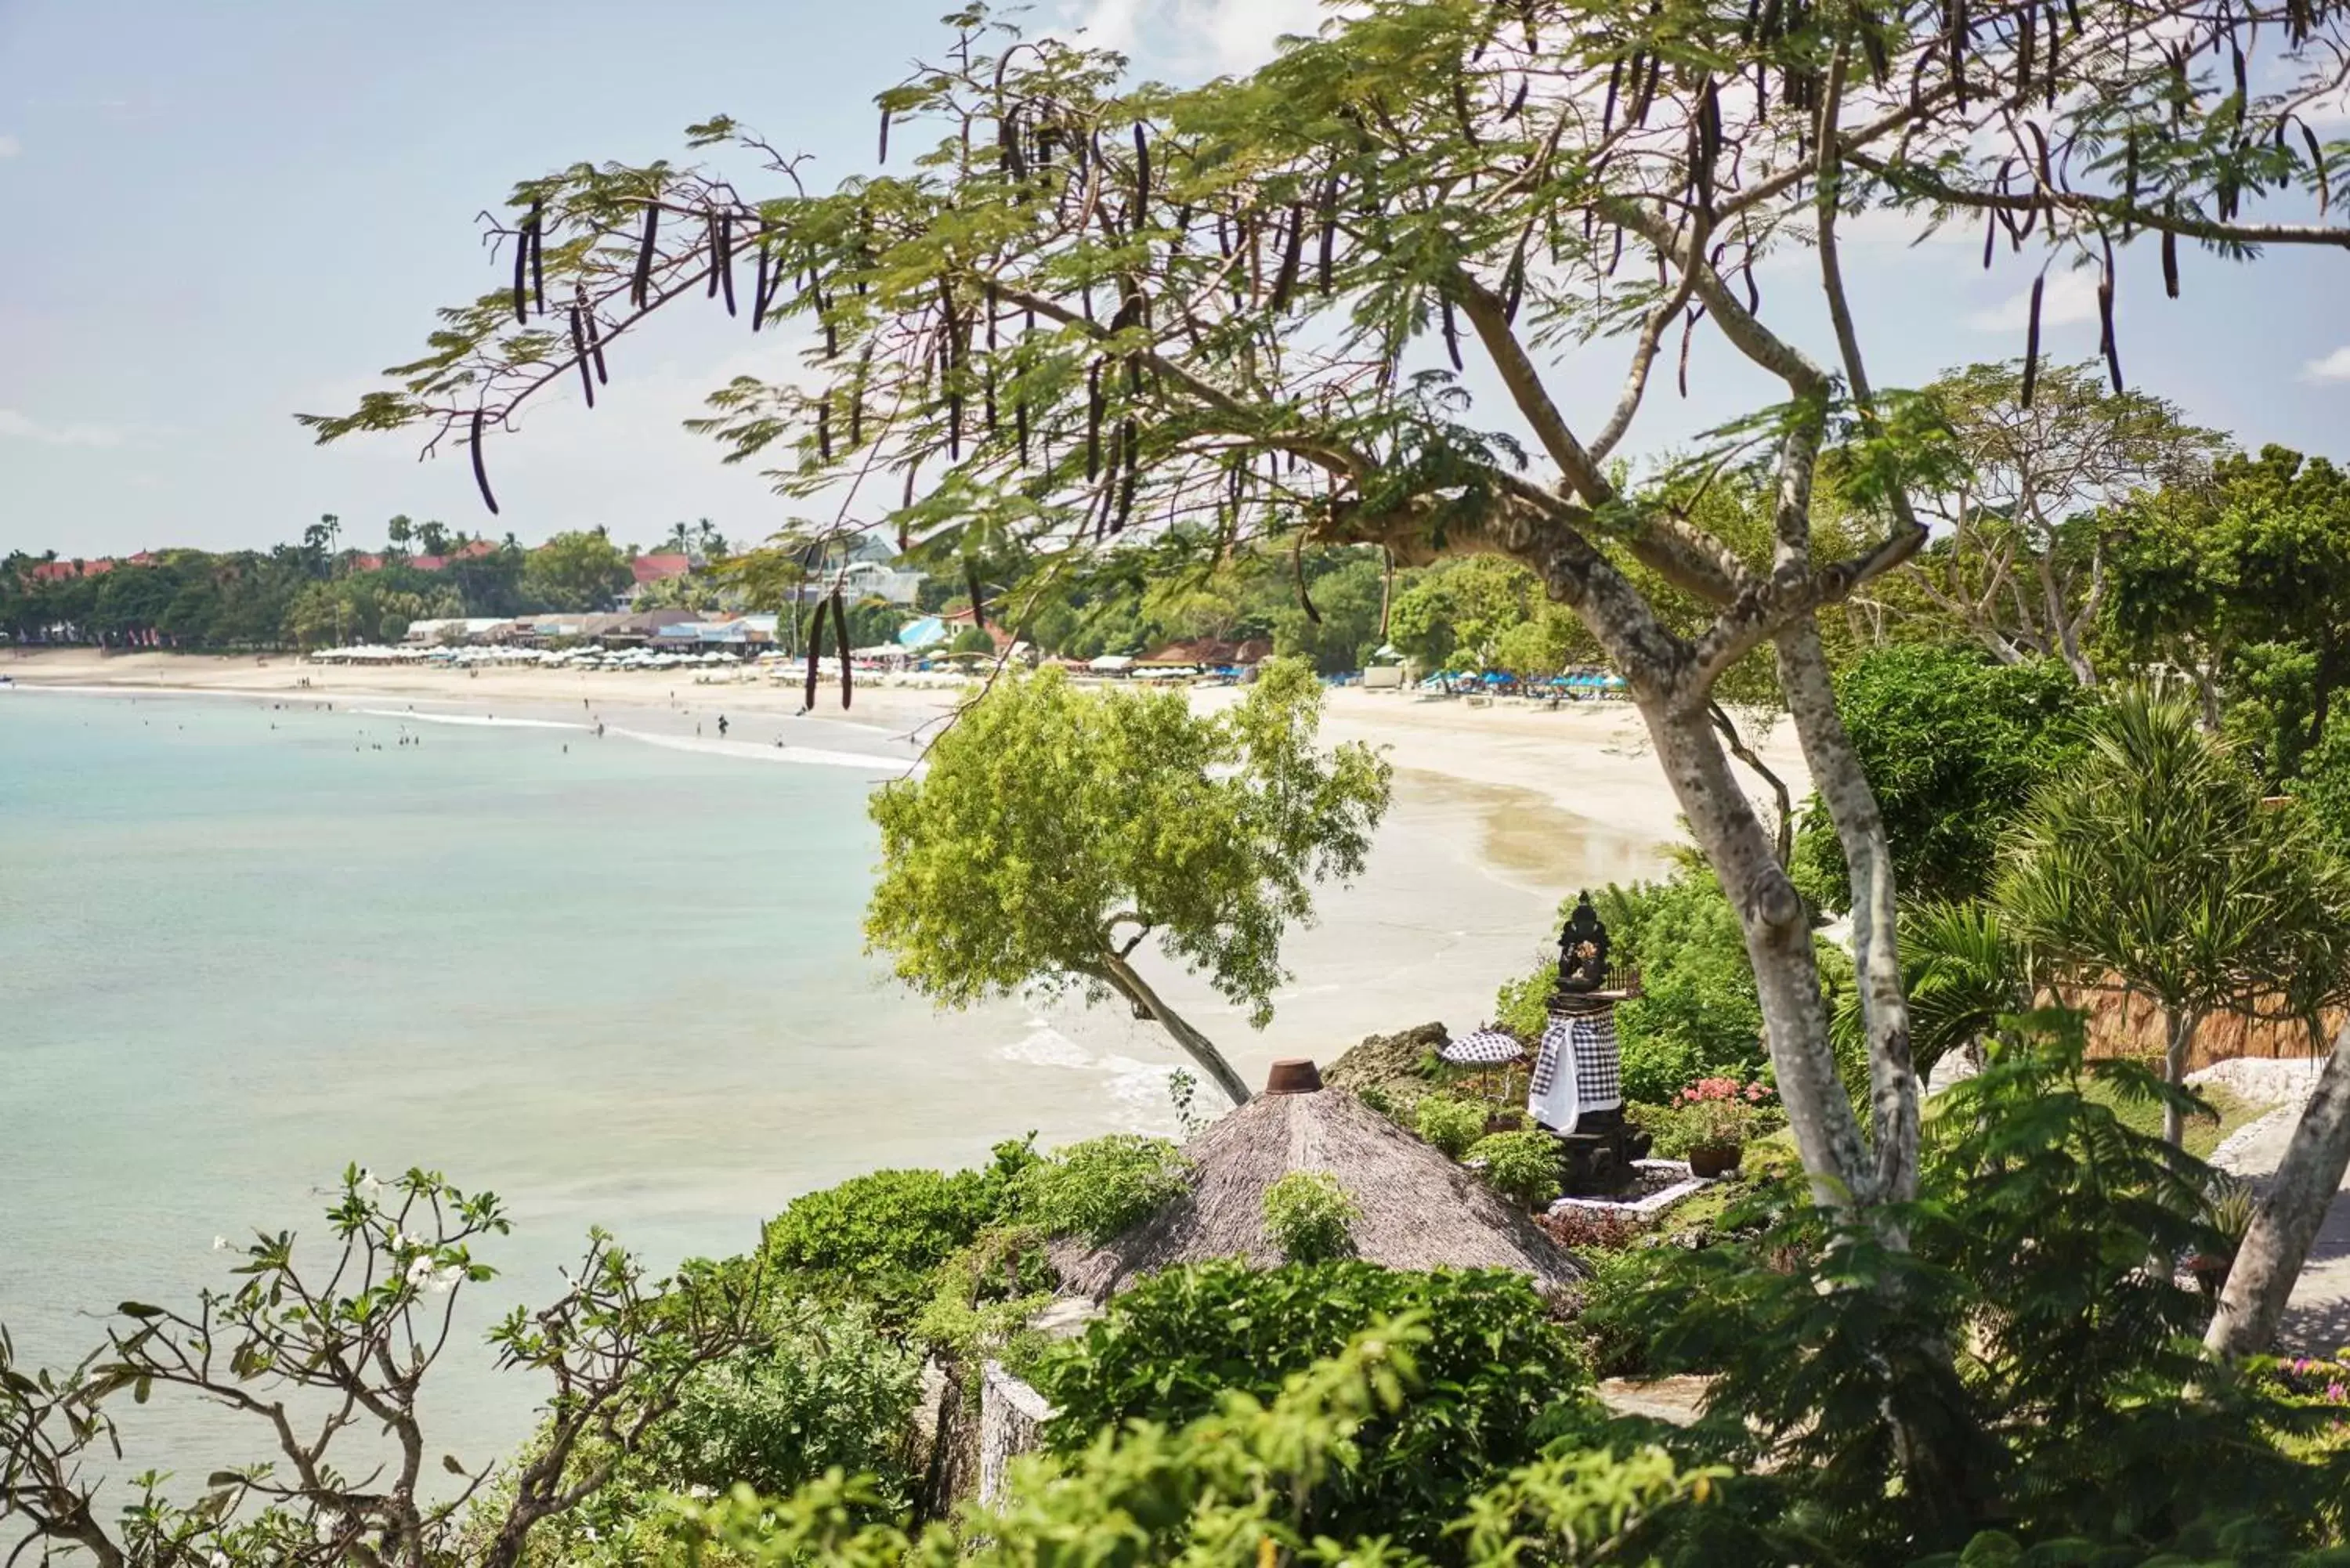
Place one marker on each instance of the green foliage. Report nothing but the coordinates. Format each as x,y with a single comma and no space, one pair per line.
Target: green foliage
581,570
826,1389
2153,858
971,640
1522,1166
1058,828
1953,745
1174,1347
1250,1482
2324,787
1449,1124
2031,1342
1309,1218
1100,1187
1481,612
878,1237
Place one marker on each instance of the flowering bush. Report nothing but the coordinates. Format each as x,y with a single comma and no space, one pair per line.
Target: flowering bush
1714,1113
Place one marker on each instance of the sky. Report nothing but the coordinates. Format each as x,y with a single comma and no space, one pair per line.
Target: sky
222,215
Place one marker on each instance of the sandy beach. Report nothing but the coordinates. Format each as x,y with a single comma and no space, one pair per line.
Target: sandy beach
1570,792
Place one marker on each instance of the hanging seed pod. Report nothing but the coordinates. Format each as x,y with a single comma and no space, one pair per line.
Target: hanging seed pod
521,277
2169,265
579,353
1141,177
725,260
538,257
759,285
814,651
1020,426
978,600
1328,208
883,157
824,427
2050,72
2317,168
987,384
1286,278
1297,572
1518,99
595,337
1460,107
1607,104
2110,344
840,636
857,398
1689,330
1990,233
992,310
1513,284
2031,341
1129,442
481,473
1093,421
639,287
1452,335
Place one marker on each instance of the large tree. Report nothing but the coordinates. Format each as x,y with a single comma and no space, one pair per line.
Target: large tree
1057,832
2022,564
1071,312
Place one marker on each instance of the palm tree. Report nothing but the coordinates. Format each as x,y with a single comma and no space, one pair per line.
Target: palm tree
2155,862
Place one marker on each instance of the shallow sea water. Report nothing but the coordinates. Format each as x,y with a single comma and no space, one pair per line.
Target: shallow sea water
620,984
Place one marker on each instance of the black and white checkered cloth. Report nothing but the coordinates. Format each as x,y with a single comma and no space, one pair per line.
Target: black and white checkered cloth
1590,1043
1484,1048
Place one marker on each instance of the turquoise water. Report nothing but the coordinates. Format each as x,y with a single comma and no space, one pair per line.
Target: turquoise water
618,984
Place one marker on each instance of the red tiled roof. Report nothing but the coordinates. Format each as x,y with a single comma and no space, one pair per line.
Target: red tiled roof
656,568
58,571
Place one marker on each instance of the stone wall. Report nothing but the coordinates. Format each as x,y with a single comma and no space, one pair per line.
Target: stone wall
1011,1416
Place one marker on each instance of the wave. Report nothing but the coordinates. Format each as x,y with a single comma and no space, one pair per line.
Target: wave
475,720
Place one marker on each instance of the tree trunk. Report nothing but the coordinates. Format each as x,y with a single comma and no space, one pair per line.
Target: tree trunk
1196,1045
2179,1039
1779,944
1843,785
2270,1261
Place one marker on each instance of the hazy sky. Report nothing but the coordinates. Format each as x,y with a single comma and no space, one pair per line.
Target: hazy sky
219,214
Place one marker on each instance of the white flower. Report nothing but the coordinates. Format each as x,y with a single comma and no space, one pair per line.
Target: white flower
370,1182
399,1241
420,1270
445,1279
220,1243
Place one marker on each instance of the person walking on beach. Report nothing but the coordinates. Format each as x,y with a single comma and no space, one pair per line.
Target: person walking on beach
722,726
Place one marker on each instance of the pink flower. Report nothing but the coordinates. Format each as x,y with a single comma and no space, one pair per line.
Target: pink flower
2335,1393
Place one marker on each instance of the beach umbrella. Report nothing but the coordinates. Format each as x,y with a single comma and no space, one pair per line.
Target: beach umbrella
1484,1049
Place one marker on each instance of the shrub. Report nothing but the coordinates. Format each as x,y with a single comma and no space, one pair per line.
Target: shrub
1592,1229
878,1236
1451,1125
1492,1364
1522,1166
830,1389
1709,1114
1100,1187
1309,1218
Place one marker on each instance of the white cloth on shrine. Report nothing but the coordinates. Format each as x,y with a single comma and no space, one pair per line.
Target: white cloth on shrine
1577,1069
1550,1088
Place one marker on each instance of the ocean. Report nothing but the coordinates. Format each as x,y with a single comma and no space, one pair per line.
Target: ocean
618,984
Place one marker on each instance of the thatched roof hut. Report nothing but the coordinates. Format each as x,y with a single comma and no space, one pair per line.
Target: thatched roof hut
1418,1209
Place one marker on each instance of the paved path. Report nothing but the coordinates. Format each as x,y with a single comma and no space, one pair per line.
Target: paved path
2317,1315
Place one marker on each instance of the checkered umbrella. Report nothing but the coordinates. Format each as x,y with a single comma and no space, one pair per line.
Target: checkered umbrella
1484,1048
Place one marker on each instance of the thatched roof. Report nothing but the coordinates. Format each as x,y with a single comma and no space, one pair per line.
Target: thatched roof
1418,1209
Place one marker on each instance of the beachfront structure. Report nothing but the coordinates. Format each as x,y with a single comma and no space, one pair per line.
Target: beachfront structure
1417,1209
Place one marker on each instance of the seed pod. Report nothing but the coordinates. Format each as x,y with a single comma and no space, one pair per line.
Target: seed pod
2049,72
884,157
521,271
2111,343
1020,424
2317,167
1093,421
1286,278
814,647
1608,105
2169,265
1518,99
537,257
640,285
2031,341
1452,336
725,260
1689,330
824,427
991,308
1990,233
1298,571
481,474
595,337
1329,208
987,388
840,636
857,398
759,286
978,600
1126,487
1460,107
1141,177
579,353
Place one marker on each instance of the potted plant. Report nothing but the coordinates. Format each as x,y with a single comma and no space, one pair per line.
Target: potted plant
1708,1124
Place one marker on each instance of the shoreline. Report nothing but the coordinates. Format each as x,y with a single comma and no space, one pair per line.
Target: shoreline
1582,775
